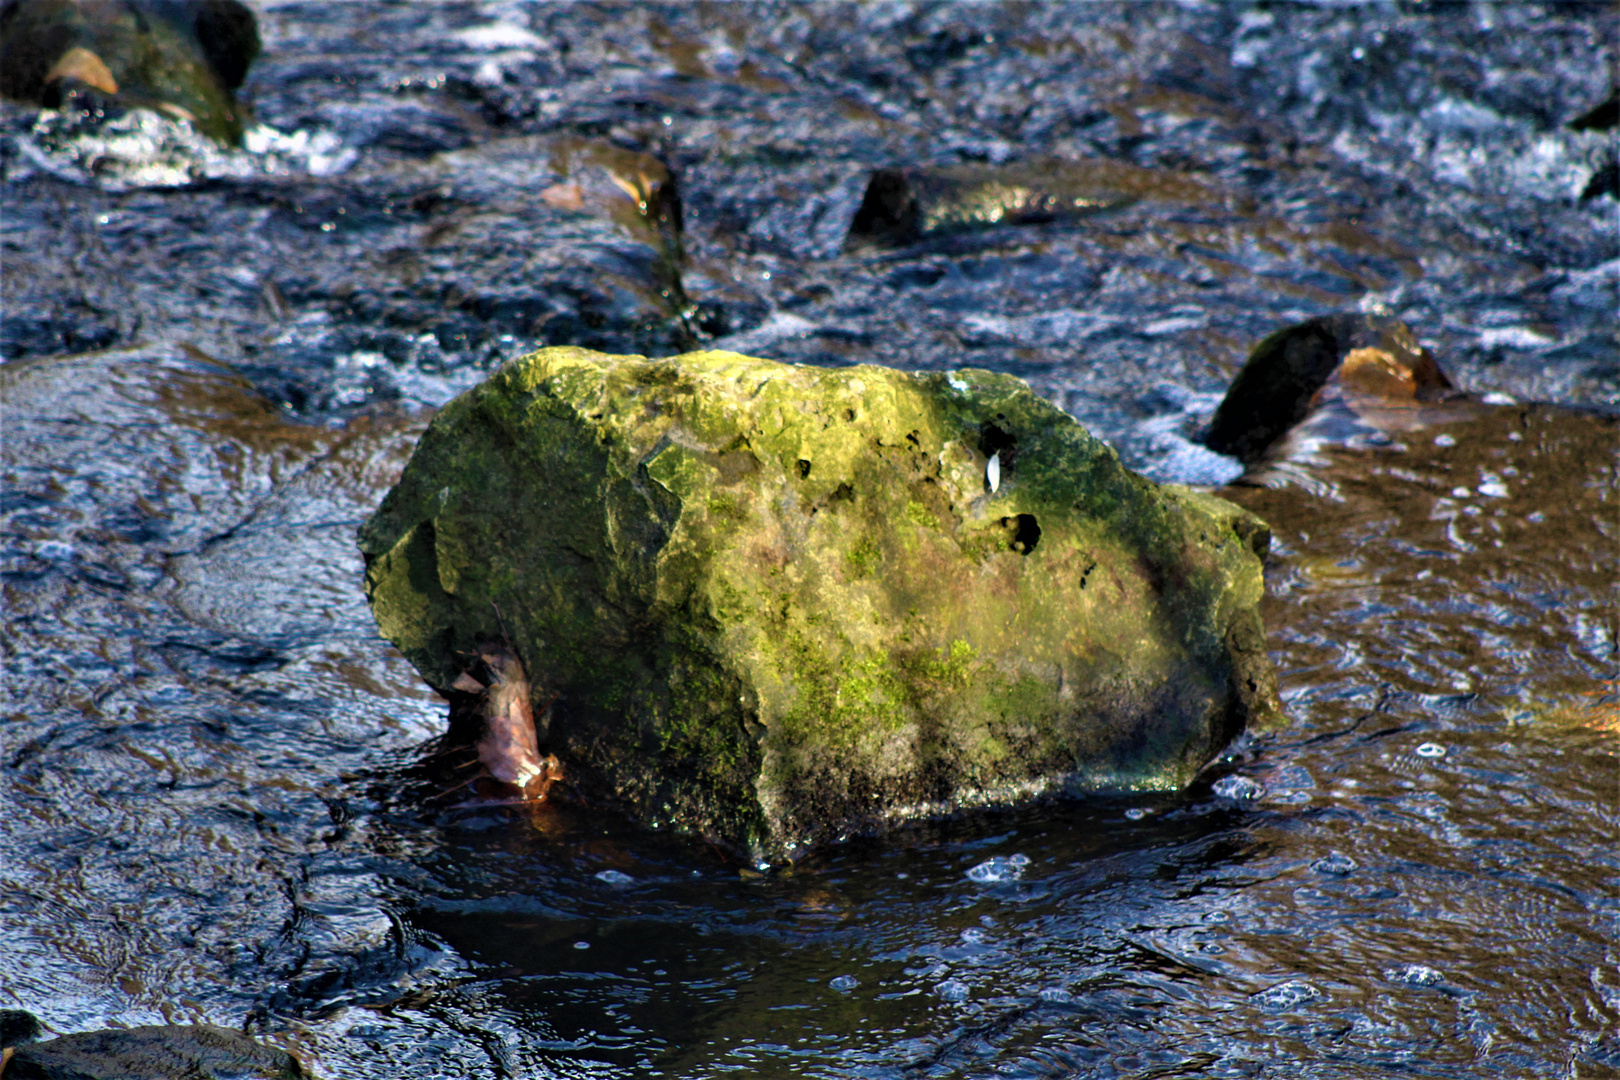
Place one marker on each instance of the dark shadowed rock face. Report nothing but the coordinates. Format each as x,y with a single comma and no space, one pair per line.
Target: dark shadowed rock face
783,603
173,1052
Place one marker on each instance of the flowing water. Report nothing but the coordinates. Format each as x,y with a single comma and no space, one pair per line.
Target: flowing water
217,360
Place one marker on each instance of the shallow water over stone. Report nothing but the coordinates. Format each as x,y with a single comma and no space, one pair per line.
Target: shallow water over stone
210,810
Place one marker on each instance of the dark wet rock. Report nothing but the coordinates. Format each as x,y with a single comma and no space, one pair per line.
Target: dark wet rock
1601,117
159,1052
1358,359
783,603
1605,181
905,205
181,57
18,1026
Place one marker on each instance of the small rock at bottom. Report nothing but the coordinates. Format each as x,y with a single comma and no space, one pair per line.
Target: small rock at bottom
159,1052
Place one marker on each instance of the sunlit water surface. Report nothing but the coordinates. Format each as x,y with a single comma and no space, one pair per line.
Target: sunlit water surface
208,809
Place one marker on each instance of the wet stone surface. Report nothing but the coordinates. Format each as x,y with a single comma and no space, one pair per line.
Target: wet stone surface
212,806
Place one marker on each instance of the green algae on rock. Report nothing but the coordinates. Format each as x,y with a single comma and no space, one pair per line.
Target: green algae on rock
783,603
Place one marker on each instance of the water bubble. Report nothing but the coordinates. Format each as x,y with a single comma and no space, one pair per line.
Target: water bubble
973,935
614,877
1414,975
1336,863
952,990
1460,493
1238,788
1444,441
1287,996
1136,813
1000,868
1431,750
582,944
844,983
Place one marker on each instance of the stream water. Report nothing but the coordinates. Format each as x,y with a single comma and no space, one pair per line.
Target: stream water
216,361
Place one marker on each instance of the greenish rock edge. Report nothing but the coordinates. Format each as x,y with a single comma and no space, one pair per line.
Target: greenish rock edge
781,604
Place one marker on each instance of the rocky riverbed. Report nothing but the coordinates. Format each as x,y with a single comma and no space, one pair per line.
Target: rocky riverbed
218,357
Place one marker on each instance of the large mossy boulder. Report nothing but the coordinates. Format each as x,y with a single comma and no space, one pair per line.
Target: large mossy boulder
783,603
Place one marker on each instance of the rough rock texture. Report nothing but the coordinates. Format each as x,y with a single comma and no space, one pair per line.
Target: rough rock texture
782,603
160,1052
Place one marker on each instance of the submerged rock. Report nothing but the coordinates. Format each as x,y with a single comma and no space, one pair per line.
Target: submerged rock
181,57
783,603
161,1052
905,205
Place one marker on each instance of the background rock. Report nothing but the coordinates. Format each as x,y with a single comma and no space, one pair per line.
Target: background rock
182,57
1297,369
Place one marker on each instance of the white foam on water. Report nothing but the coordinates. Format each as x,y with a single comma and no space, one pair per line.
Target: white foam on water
1287,996
1336,863
1239,788
1414,975
1000,868
498,35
